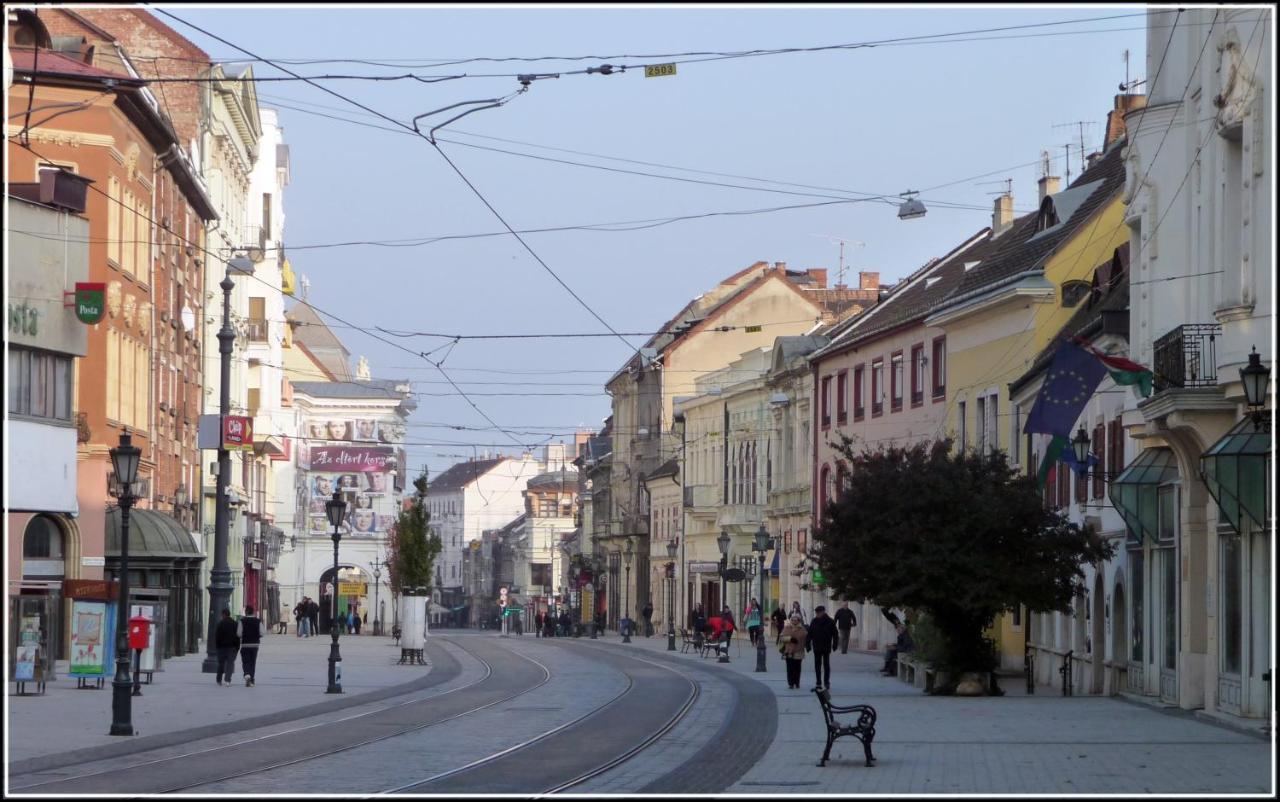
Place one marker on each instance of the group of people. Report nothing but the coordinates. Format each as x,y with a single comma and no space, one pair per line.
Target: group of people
550,625
233,636
821,636
307,614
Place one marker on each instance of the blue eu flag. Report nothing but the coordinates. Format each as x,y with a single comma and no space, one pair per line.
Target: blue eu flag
1072,378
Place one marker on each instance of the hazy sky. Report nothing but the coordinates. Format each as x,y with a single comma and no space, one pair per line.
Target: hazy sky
881,120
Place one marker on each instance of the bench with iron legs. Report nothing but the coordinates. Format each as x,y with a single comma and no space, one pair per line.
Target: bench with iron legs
864,728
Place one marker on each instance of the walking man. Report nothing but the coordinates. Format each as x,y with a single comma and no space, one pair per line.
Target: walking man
647,614
300,616
250,638
823,636
845,621
226,643
313,610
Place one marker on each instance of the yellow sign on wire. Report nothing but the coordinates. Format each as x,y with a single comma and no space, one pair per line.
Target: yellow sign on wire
659,70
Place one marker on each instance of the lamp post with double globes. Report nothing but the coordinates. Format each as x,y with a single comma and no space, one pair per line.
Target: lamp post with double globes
671,595
722,543
626,595
761,544
377,610
124,461
336,509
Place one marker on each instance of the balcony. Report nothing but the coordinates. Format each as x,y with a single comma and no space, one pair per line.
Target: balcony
702,496
1186,357
257,330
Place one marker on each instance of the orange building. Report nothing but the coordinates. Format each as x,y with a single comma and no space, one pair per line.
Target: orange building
83,109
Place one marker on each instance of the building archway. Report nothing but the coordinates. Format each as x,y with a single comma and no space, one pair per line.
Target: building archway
348,576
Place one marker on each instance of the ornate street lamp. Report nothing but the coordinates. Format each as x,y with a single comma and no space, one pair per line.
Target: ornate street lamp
722,543
1255,379
124,461
761,544
336,509
671,593
626,591
377,581
573,588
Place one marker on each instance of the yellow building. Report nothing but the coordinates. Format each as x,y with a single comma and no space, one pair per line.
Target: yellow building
1010,305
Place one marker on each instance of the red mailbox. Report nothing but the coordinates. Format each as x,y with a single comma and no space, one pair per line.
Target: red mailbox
139,632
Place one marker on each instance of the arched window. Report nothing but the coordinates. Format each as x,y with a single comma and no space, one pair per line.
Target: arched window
42,539
823,482
1073,292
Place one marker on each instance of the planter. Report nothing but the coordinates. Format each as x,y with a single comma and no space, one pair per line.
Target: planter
413,621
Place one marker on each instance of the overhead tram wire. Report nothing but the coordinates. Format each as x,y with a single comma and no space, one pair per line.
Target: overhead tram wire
431,140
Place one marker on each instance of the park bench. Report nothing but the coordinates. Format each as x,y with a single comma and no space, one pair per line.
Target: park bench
864,729
715,645
689,640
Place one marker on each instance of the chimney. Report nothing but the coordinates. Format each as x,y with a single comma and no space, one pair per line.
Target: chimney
1048,186
819,275
781,267
1115,119
1092,159
868,280
1002,216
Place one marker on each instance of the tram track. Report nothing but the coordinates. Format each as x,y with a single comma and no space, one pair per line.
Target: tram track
139,777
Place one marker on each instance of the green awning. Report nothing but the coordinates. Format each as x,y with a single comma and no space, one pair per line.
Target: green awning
1134,492
1236,471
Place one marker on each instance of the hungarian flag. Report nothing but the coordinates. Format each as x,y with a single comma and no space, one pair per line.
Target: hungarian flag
1122,371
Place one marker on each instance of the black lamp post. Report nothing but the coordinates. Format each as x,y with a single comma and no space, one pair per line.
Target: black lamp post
671,595
573,588
377,610
336,509
626,594
220,574
762,544
1255,379
1080,445
722,543
124,461
597,565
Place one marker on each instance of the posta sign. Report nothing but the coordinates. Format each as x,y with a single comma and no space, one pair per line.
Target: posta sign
91,301
237,433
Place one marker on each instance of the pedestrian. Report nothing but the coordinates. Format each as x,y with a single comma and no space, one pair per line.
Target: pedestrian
566,624
730,626
845,621
824,637
539,620
903,645
647,614
300,616
313,610
795,610
793,639
226,642
752,617
549,625
779,619
250,632
356,621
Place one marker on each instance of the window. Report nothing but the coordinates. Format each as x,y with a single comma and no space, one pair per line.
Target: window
962,433
877,388
842,396
981,419
823,480
1100,450
1082,485
939,367
40,384
917,374
1064,485
1015,435
1231,614
991,439
42,539
1115,447
113,220
826,401
1167,511
859,404
896,377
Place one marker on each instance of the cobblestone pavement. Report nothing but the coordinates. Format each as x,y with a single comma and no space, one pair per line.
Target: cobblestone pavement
1014,744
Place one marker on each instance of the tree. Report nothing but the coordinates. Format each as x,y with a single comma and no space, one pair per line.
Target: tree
959,536
412,549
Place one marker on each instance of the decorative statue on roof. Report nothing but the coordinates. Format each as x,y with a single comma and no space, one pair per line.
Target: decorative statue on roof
362,370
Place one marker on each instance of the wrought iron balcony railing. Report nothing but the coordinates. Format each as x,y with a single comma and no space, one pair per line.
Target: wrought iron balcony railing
1187,357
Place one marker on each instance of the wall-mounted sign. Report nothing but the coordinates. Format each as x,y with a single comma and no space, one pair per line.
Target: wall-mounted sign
353,589
237,433
704,568
351,458
24,319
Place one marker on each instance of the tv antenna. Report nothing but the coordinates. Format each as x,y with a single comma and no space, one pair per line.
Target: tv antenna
1129,85
833,240
1007,182
1080,124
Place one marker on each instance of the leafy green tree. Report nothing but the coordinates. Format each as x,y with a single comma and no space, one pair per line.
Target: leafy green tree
412,549
961,536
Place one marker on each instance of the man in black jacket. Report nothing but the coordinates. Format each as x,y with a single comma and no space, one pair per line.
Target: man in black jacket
823,636
845,621
250,638
226,642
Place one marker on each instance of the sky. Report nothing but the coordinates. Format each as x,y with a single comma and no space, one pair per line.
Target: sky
951,119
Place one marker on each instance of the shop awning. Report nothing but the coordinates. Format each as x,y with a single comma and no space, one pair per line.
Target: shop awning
1236,470
773,566
1134,491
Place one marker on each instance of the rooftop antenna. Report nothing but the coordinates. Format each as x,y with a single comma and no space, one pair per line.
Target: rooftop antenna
833,240
1080,124
1129,85
306,285
1008,186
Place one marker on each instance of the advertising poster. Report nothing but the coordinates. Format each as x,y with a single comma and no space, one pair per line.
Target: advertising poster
28,649
91,626
363,522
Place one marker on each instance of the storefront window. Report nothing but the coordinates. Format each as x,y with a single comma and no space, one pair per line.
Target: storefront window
1230,602
1135,582
1169,606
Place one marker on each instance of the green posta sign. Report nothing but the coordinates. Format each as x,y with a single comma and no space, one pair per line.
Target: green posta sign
91,301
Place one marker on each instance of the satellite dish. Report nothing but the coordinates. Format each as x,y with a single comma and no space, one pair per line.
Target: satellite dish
188,319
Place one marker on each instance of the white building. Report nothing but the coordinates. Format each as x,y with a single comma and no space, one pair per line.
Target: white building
1199,193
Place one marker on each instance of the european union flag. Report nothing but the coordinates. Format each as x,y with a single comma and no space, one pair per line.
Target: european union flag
1072,378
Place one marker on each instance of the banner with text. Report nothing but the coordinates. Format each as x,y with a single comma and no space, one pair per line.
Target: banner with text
351,458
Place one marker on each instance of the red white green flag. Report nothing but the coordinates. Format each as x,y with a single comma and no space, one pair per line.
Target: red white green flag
1122,370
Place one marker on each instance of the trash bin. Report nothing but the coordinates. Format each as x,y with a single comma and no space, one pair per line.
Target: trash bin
624,626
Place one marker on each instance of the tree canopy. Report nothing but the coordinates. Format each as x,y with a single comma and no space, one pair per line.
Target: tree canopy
960,535
412,549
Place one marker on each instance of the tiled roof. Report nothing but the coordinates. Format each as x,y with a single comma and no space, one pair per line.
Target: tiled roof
669,468
51,62
1020,249
913,297
463,474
